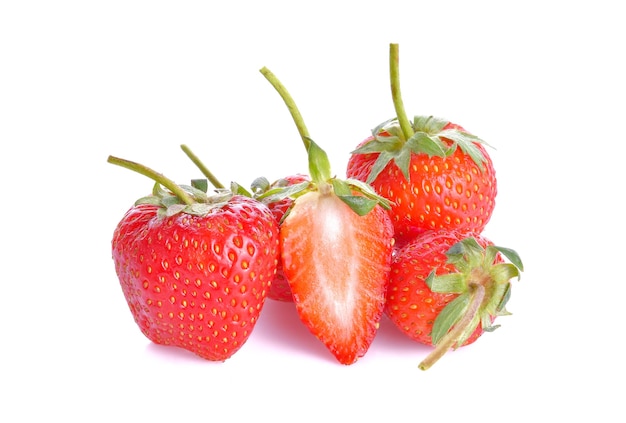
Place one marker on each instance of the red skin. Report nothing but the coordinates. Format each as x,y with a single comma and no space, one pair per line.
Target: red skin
279,290
198,283
411,305
445,193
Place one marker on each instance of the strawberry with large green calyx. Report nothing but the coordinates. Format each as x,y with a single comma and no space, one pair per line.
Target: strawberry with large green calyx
435,173
336,245
447,288
195,268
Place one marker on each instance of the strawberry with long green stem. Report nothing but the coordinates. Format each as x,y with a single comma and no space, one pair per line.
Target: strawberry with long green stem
336,245
435,173
195,268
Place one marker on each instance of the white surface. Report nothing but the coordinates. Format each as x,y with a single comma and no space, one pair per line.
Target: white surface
541,81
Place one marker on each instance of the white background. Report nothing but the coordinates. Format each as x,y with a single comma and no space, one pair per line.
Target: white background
543,82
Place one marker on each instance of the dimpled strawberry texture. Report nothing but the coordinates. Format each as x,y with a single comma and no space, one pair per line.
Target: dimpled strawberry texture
444,193
198,283
410,304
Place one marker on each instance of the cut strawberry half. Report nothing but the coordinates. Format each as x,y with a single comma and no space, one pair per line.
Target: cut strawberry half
336,245
337,264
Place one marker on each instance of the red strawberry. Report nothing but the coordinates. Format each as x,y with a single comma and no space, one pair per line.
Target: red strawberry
436,174
336,244
279,290
446,288
262,190
195,269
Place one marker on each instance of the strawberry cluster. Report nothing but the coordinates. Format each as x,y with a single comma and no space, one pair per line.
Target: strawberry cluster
401,236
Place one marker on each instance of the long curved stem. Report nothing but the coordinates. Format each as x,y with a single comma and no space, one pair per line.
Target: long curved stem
451,337
155,176
205,171
291,105
394,73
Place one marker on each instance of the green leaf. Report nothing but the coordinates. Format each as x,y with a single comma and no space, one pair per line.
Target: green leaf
465,254
175,209
159,191
368,191
195,193
429,124
381,128
379,165
260,185
467,143
360,204
486,324
341,188
506,295
201,184
448,283
170,200
449,316
511,255
402,159
238,189
279,193
149,199
379,145
504,272
391,129
319,165
422,143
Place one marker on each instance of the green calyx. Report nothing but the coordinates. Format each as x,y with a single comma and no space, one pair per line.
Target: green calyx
359,196
397,139
428,137
172,198
483,289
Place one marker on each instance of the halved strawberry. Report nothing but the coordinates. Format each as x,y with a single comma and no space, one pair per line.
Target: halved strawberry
337,265
336,244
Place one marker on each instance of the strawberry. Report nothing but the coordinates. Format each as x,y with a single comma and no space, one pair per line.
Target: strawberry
194,268
279,289
336,245
447,287
262,190
435,173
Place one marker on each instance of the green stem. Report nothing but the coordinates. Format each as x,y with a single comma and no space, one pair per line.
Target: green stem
155,176
394,72
451,337
291,105
205,171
